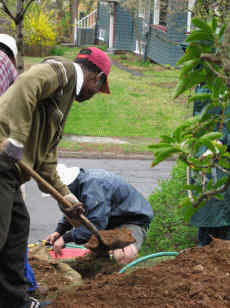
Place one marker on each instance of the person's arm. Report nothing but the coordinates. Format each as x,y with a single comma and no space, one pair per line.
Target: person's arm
62,227
48,171
20,100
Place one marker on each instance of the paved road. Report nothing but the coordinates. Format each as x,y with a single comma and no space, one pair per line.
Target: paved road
44,211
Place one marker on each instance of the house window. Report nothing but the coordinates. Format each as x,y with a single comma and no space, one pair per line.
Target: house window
191,4
101,34
141,10
160,12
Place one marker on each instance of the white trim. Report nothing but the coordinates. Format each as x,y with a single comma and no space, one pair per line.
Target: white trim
111,30
156,12
88,22
191,4
141,9
137,51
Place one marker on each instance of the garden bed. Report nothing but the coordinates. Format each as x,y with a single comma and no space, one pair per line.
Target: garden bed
198,277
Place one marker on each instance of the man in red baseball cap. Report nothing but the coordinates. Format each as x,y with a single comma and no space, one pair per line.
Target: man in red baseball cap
33,112
96,66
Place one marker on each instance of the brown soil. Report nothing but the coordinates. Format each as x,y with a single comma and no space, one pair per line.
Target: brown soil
112,239
198,277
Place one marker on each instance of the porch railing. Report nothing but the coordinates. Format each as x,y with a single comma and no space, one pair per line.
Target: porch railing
88,22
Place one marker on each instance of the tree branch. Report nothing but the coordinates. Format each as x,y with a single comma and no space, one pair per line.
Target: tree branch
211,58
26,7
6,10
210,193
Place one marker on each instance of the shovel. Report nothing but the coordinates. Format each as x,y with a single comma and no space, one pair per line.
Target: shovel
15,151
66,204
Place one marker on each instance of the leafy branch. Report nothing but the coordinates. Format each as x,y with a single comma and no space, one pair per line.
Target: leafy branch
201,141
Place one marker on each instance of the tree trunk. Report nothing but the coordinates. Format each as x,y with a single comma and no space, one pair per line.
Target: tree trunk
74,13
19,38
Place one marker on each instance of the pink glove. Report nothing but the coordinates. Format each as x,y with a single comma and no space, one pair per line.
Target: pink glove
125,255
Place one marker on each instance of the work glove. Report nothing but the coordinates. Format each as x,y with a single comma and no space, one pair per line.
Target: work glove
11,150
76,209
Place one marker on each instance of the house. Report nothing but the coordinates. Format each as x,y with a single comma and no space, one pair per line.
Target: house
157,31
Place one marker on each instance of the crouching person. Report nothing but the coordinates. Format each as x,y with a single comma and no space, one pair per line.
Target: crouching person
109,202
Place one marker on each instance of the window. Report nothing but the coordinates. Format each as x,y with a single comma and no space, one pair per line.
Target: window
141,9
101,34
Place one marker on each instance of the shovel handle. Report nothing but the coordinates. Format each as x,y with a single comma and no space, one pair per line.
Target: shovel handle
43,182
59,198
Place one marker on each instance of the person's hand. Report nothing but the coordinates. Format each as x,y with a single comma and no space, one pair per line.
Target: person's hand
76,209
11,149
52,237
71,198
125,255
58,245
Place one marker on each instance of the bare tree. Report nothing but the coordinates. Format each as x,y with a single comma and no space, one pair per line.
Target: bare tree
17,18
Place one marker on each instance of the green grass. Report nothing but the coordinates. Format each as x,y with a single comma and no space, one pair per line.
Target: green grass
138,106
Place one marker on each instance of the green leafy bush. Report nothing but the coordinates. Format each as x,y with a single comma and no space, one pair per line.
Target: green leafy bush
168,230
39,30
57,51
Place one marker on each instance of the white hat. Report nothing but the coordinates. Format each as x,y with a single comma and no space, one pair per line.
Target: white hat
10,42
67,175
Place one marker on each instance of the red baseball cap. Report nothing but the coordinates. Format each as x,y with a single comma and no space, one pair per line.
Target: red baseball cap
101,60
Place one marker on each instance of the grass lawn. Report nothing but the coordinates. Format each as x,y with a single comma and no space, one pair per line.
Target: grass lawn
137,107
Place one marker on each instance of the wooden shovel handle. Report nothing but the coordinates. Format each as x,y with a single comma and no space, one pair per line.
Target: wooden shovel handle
57,196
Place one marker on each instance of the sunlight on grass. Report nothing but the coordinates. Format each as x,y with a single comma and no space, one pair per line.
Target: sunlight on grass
138,106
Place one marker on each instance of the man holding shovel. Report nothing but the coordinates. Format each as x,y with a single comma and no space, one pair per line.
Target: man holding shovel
32,117
109,203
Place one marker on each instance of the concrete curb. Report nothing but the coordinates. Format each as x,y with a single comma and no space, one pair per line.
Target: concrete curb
106,155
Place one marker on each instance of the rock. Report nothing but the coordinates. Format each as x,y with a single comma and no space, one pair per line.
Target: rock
198,268
70,273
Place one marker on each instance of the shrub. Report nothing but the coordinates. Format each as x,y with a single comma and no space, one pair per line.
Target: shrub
168,231
57,51
39,30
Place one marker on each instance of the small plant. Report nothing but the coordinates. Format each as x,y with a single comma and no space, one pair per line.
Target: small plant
168,231
102,47
57,51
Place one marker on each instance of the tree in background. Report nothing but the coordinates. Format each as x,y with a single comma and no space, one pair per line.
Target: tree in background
206,62
17,14
40,29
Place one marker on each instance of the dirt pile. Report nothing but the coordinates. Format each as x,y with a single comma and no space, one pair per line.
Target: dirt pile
112,239
199,277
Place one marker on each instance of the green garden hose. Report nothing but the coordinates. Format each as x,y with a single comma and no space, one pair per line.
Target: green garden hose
75,246
152,256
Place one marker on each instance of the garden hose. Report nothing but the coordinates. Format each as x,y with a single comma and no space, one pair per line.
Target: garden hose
152,256
72,245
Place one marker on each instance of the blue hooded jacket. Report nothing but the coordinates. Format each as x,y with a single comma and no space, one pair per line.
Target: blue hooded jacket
109,201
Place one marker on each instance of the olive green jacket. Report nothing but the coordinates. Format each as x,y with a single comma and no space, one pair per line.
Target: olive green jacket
33,111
